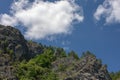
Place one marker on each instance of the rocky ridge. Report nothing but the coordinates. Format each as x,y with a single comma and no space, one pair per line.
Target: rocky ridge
87,68
14,48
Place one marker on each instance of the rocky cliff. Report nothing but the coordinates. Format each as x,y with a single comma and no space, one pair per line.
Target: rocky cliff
88,67
12,41
14,49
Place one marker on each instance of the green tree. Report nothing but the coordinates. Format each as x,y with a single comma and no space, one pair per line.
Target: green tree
60,52
37,68
73,54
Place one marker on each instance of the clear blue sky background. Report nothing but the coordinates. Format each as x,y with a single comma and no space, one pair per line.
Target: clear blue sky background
102,40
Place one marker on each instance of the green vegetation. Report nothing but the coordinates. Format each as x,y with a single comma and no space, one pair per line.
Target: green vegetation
40,66
73,54
60,52
27,60
88,53
1,51
61,67
11,52
115,76
37,68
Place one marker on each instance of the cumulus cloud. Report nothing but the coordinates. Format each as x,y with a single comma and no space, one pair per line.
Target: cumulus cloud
43,18
7,20
110,10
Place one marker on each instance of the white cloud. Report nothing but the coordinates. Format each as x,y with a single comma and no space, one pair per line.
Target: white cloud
43,19
7,20
110,10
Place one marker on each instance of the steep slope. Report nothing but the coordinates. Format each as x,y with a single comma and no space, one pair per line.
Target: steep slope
88,67
11,40
13,47
27,60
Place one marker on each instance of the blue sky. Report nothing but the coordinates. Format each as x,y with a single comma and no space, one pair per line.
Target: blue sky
95,28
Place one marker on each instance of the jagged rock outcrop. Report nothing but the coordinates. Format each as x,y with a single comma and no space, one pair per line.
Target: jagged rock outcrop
34,48
12,41
87,68
13,47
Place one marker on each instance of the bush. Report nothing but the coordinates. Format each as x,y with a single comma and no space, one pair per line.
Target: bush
1,51
37,68
61,67
73,54
11,52
60,52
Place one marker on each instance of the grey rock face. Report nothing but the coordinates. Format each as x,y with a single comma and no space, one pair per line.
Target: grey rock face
14,47
34,48
12,40
87,68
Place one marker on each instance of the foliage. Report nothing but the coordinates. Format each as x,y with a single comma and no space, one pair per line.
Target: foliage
115,76
60,52
37,68
88,53
11,52
73,54
1,51
61,67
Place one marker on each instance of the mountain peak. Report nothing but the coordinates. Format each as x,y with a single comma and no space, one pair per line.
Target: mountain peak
88,67
15,49
11,39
